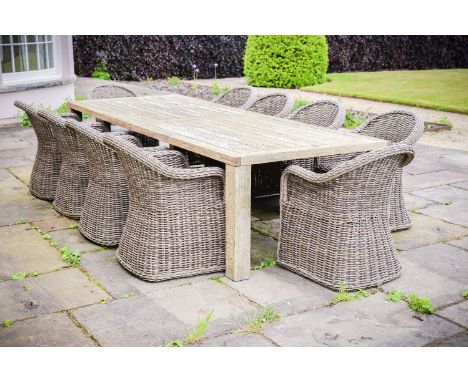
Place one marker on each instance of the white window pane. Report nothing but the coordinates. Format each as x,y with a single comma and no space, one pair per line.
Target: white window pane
41,38
20,58
31,38
32,57
42,56
5,39
6,60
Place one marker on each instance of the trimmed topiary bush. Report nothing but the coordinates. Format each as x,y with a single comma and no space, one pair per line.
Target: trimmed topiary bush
286,61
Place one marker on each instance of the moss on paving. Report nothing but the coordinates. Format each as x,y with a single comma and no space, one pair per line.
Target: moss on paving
441,89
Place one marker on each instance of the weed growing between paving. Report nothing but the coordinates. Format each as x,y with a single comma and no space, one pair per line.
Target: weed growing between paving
344,296
268,262
23,275
70,257
7,323
196,334
255,322
418,304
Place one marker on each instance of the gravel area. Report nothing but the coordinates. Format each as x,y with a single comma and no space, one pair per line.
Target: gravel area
183,88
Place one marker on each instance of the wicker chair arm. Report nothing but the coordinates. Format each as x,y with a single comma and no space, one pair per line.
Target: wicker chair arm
127,137
70,115
148,158
351,165
171,158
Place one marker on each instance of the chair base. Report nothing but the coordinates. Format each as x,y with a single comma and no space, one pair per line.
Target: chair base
175,275
336,287
97,240
71,215
39,196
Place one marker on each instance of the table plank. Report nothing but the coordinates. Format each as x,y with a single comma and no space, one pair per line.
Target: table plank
233,136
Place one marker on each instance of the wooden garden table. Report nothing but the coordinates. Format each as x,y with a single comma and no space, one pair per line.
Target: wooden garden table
236,137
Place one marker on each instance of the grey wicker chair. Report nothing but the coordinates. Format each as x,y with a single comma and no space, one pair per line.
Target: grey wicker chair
176,221
119,91
275,104
398,127
74,170
105,205
46,168
335,227
242,97
266,177
323,113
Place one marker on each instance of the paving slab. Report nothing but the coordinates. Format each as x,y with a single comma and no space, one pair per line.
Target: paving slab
237,340
432,179
426,230
462,185
460,243
55,224
443,194
48,330
414,202
368,322
23,250
104,267
135,321
74,240
47,293
458,340
456,313
442,290
23,173
455,213
288,292
190,302
263,247
269,227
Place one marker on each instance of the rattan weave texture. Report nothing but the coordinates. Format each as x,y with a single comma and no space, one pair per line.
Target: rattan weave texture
176,219
335,227
242,97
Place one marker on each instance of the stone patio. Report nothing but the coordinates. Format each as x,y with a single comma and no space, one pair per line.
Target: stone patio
100,304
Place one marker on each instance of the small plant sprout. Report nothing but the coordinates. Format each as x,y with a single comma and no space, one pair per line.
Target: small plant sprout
445,121
225,89
268,262
22,221
418,304
217,279
215,67
448,202
465,294
395,296
300,102
255,322
73,226
174,80
70,257
35,273
131,294
100,70
344,296
196,334
352,120
7,323
19,275
215,89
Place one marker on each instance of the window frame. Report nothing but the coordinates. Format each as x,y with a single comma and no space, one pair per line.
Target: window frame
32,76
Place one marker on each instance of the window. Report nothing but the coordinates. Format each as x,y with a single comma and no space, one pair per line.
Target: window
28,57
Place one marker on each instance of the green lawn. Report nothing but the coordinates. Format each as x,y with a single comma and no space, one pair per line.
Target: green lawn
444,89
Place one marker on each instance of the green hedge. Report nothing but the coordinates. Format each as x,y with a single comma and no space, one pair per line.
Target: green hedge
286,61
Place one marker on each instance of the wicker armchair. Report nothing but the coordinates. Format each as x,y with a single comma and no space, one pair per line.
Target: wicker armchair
335,227
119,91
46,168
238,97
275,104
105,205
176,221
74,170
397,127
323,113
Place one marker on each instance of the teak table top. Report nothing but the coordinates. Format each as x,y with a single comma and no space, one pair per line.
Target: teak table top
234,136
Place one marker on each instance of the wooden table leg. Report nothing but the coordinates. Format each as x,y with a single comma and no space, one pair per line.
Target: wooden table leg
237,194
